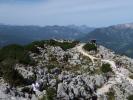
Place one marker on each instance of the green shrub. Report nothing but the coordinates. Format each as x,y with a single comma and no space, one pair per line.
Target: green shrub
10,74
106,68
33,46
11,51
90,47
130,97
51,93
66,57
26,90
15,52
43,98
111,95
64,45
50,66
9,56
131,76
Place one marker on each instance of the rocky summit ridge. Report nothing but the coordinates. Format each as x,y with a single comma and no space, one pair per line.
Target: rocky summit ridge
72,74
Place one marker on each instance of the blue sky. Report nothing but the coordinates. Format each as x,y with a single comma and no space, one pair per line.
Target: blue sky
95,13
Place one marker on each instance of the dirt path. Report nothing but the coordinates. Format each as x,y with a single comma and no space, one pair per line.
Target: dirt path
80,49
118,75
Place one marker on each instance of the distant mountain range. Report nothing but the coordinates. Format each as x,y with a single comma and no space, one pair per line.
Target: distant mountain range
117,37
24,34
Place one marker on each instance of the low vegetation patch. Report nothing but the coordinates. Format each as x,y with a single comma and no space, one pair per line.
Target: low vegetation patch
111,95
64,45
130,97
10,74
43,98
131,76
90,47
9,56
106,68
50,66
51,93
15,52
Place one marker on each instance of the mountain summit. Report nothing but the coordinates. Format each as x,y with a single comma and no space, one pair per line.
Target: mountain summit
117,37
127,25
64,70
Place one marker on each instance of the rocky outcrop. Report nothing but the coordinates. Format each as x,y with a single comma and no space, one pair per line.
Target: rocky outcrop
71,75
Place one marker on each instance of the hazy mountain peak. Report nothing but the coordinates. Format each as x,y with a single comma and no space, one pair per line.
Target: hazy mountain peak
1,24
127,25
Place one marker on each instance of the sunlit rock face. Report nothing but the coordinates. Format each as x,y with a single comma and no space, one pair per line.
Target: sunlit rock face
70,74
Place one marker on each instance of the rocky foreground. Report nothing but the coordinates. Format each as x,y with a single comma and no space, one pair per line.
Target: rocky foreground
74,74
